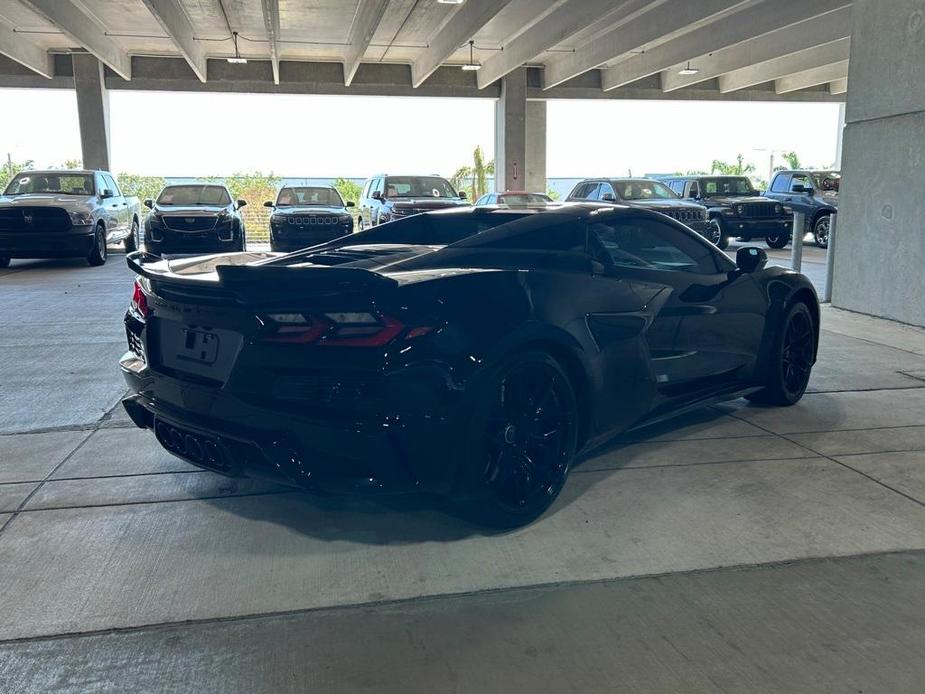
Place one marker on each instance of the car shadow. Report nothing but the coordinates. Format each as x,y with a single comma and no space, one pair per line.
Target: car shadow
417,518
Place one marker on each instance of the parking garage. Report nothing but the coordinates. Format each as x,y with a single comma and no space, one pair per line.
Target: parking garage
735,547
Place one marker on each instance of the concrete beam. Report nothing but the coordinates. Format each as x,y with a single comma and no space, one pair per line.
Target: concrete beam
812,58
172,18
745,24
812,78
365,22
92,110
462,26
65,15
270,10
775,44
24,52
663,21
565,20
839,87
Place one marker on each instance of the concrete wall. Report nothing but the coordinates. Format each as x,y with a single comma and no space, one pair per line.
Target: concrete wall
880,248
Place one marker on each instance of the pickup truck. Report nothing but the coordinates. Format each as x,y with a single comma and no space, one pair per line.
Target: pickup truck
814,193
65,214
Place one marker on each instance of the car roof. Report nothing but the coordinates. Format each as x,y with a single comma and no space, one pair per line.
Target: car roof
58,172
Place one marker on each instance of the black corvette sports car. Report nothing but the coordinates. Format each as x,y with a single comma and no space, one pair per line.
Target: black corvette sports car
469,352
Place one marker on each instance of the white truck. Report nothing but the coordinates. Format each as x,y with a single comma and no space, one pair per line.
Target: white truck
65,214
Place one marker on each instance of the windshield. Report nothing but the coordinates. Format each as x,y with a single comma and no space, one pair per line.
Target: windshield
523,199
51,182
727,186
827,181
643,190
309,195
194,195
418,187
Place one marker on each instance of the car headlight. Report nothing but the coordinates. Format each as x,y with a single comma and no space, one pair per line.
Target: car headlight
81,218
740,210
778,209
787,210
344,218
730,211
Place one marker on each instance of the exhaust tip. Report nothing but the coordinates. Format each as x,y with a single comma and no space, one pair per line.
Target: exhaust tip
140,417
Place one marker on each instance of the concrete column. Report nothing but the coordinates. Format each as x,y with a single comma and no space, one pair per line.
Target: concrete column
511,132
92,110
536,147
881,239
841,136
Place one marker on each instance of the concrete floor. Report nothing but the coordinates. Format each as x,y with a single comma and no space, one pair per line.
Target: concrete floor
737,549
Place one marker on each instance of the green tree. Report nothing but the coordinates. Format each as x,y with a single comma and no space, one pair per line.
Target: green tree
11,168
473,178
349,190
143,187
739,168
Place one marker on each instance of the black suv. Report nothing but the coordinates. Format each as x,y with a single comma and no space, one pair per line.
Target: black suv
386,197
814,193
194,218
736,209
305,216
642,192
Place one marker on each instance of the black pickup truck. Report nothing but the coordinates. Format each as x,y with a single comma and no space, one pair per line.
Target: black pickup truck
736,209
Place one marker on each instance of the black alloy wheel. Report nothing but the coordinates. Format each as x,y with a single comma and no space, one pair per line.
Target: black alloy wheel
791,361
131,241
717,234
97,255
522,442
821,231
777,240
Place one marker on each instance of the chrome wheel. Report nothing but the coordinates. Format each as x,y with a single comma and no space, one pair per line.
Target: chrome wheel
821,232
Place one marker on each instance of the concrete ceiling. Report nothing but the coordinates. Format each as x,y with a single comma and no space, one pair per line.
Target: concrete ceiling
791,45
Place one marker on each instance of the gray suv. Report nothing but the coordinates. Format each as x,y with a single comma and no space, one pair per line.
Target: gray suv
814,193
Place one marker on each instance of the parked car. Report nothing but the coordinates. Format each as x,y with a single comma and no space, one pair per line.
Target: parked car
305,216
513,198
65,214
736,209
643,193
814,193
194,218
386,197
472,352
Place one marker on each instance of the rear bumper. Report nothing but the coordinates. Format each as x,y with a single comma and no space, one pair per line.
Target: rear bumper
75,243
758,228
340,456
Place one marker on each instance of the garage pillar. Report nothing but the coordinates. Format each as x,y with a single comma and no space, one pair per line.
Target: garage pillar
520,137
839,143
881,240
92,110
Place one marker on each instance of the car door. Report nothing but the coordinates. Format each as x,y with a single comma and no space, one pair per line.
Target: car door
109,209
121,206
801,200
706,325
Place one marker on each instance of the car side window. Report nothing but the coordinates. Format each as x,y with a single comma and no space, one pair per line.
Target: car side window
100,184
603,190
694,191
111,184
800,180
583,191
377,185
366,186
649,244
781,183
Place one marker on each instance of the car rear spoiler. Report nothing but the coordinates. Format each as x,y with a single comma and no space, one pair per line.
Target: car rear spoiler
264,278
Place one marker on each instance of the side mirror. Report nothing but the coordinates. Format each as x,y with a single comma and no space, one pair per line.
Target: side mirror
350,203
106,193
608,197
241,203
149,203
462,195
751,259
268,203
377,195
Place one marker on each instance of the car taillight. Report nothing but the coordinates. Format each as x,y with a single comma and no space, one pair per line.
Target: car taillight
342,329
139,300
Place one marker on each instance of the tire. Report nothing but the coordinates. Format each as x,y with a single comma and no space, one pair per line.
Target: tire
792,358
98,253
821,231
131,241
4,261
778,241
717,234
520,441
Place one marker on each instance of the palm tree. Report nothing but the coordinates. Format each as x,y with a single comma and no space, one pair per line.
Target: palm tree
476,175
740,168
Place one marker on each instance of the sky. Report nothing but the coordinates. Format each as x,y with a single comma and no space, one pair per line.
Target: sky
192,134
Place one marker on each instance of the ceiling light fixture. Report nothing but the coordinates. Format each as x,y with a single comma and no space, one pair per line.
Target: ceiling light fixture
450,2
472,65
688,70
237,56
